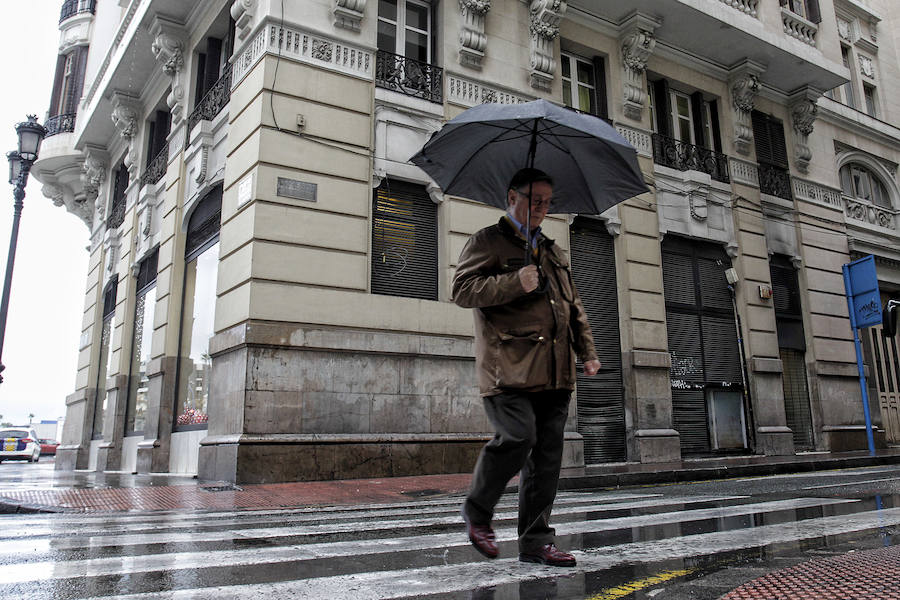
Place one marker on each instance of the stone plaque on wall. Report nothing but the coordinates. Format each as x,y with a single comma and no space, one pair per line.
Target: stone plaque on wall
299,190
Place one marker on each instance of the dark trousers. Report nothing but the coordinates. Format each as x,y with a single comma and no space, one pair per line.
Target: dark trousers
529,439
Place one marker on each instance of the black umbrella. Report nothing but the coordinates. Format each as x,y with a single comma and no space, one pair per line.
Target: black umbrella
475,155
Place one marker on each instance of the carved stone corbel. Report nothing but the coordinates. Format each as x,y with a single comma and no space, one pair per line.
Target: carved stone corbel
544,28
637,44
803,117
348,14
168,48
744,86
242,11
125,114
93,171
472,39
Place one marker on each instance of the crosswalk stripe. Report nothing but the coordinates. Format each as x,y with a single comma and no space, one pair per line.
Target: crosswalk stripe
403,583
32,526
35,571
78,538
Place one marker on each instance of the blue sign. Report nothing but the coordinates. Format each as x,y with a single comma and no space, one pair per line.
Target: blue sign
863,297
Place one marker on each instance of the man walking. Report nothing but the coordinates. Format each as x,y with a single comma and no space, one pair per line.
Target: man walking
529,325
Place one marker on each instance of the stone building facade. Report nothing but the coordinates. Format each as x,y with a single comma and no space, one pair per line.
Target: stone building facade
268,290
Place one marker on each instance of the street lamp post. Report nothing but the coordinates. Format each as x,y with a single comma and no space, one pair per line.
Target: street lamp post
31,134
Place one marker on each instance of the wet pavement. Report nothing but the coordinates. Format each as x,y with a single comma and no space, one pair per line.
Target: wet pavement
822,534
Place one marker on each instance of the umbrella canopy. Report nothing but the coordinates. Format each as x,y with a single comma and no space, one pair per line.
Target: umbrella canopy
475,154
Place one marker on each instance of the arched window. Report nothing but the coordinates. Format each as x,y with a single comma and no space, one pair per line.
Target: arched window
859,182
198,309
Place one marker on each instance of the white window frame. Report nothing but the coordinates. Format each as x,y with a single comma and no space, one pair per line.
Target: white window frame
574,83
68,80
676,118
400,27
870,100
849,97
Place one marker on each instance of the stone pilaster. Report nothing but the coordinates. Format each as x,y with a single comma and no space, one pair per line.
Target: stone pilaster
153,450
544,28
637,43
744,85
109,454
75,445
472,39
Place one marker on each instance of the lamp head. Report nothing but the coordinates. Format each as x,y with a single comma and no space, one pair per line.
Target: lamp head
31,134
15,166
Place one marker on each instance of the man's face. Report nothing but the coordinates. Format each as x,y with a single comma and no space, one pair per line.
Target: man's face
541,195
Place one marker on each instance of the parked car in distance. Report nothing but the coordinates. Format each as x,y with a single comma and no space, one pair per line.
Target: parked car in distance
48,446
19,443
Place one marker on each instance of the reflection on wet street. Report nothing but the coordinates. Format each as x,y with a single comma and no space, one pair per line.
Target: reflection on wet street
630,543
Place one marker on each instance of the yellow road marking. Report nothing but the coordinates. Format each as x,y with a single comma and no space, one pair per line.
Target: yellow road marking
626,589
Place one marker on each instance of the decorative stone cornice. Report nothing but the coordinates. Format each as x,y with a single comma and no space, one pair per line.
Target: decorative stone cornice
803,115
243,11
472,39
637,42
348,14
168,48
744,86
544,28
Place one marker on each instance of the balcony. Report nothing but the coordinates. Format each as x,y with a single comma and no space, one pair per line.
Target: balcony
774,181
869,214
734,31
679,155
214,101
409,77
60,124
798,27
157,167
71,8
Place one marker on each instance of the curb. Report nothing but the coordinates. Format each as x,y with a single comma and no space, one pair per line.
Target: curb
576,482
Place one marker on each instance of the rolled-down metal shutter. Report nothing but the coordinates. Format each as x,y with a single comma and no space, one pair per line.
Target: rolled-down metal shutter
600,399
404,241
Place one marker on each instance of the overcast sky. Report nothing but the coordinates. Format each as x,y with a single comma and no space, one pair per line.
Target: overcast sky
47,298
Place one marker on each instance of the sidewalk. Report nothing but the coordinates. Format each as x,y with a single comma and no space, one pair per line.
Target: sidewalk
103,492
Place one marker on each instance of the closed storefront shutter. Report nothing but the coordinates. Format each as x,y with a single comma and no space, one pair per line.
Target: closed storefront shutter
404,241
701,335
600,399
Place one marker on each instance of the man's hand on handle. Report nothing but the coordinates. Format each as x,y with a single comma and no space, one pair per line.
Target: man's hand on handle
591,367
528,277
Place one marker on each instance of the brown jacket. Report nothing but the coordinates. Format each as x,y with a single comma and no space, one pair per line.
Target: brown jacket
522,341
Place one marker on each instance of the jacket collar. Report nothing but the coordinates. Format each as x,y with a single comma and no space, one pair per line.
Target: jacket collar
509,230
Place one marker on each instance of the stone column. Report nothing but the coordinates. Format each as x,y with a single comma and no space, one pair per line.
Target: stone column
109,454
153,450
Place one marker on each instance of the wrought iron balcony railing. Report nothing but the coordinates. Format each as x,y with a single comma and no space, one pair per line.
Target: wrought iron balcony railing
669,152
60,124
214,101
409,76
774,181
116,214
73,7
157,167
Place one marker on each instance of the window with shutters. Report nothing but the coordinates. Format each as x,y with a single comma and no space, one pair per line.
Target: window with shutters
142,335
772,156
404,241
848,97
157,160
584,84
861,183
869,96
686,131
702,336
198,311
808,9
66,91
212,87
405,54
104,369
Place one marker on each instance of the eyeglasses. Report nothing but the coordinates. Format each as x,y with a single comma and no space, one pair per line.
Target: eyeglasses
536,202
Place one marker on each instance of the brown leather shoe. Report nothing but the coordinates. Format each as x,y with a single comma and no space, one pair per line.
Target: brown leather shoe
549,554
482,537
